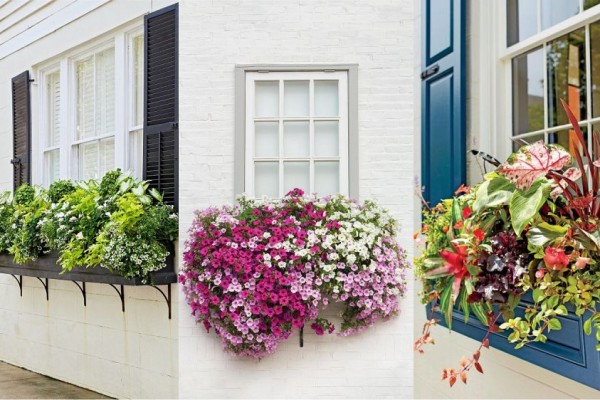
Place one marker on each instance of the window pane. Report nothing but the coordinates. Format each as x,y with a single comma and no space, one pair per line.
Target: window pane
326,98
595,66
85,97
590,3
529,139
521,20
326,139
566,77
53,99
327,177
555,11
105,92
296,175
295,99
138,80
107,155
528,92
563,138
266,139
51,166
266,99
295,139
266,179
88,161
135,159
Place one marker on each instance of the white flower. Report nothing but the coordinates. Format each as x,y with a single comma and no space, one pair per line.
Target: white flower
80,236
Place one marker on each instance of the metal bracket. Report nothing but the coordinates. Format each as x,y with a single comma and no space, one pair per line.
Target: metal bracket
20,282
83,293
45,283
121,294
302,336
434,69
167,296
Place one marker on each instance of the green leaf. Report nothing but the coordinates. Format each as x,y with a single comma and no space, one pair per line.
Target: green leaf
524,205
462,301
587,326
561,310
519,345
538,295
479,313
553,301
544,232
555,324
446,304
494,192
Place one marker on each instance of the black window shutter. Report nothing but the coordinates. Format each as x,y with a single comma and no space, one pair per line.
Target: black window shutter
161,144
21,112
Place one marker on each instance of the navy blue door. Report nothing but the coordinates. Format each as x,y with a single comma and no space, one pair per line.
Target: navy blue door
443,126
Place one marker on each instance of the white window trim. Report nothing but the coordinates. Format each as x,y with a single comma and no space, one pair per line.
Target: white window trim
240,118
494,129
120,39
342,118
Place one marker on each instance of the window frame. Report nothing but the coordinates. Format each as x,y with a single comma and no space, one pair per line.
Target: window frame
244,152
121,40
501,77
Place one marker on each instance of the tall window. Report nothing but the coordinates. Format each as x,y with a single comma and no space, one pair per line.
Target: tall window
92,102
555,63
296,133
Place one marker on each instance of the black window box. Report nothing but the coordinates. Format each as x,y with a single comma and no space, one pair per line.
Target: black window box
46,266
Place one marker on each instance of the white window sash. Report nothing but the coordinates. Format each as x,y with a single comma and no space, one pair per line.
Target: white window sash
342,78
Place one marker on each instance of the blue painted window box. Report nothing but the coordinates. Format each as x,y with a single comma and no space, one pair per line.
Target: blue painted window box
568,352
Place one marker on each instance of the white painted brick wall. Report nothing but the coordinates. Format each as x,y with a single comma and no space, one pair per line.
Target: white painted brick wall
379,37
126,355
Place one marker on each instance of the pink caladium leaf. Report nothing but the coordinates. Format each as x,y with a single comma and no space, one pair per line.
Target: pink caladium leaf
597,163
573,174
534,161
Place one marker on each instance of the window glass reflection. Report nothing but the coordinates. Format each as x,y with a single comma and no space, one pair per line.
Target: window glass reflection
528,92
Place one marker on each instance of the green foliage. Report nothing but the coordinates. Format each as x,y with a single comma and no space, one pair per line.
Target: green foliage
115,223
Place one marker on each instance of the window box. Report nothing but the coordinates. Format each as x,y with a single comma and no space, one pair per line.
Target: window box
47,267
568,352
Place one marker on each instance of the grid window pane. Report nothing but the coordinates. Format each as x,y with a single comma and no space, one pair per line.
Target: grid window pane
326,98
107,155
53,100
590,3
296,139
521,20
295,99
85,97
136,147
138,80
565,137
595,67
327,177
555,11
326,138
266,179
566,77
528,92
266,99
296,175
51,166
266,139
88,160
105,92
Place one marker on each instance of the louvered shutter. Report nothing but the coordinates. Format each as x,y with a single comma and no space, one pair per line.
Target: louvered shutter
21,110
161,148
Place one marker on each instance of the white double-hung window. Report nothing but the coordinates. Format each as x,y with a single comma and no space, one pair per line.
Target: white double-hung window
91,102
296,133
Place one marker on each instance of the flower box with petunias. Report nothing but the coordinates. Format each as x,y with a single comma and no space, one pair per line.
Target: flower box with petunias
260,270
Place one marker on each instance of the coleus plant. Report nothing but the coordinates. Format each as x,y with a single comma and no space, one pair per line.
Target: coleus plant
530,228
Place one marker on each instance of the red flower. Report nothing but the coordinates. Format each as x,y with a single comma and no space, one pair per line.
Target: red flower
556,259
479,234
467,212
455,265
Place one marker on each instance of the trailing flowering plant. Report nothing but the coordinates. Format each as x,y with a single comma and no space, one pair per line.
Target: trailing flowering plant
259,270
532,227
